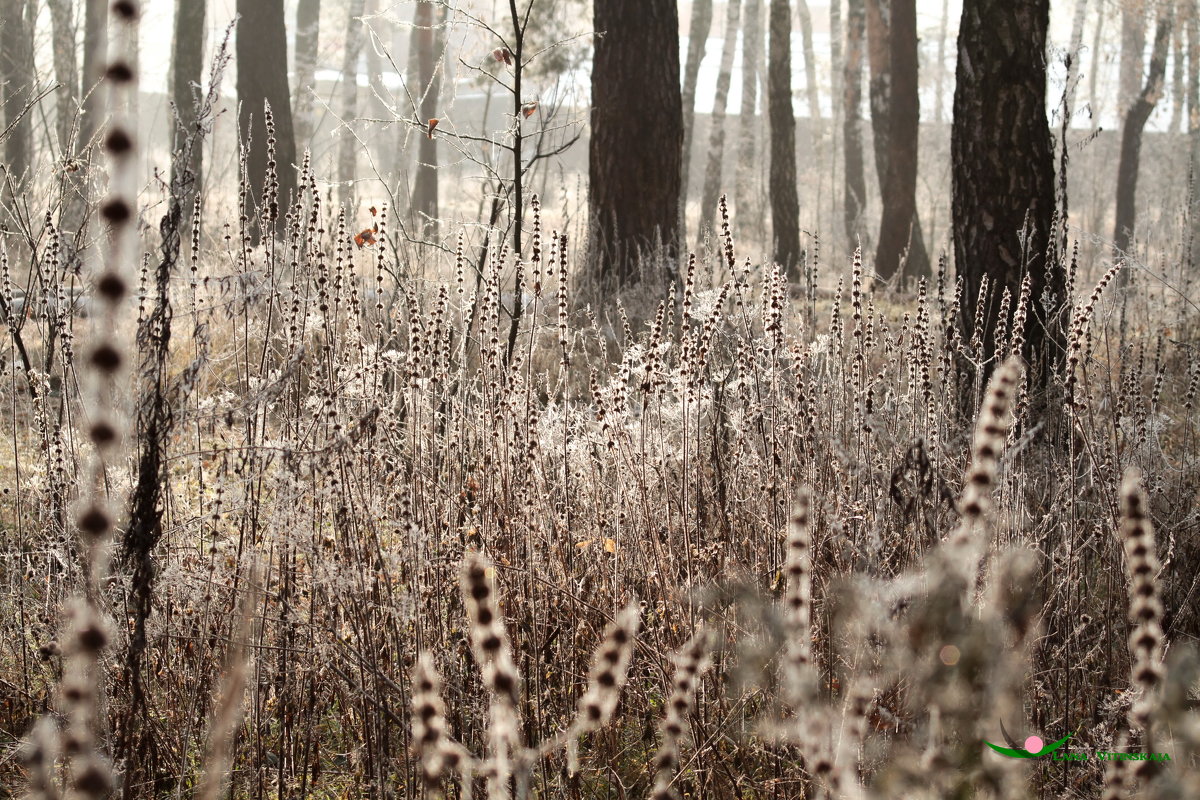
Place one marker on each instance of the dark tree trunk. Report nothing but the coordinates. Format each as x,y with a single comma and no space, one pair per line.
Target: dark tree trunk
1131,138
698,30
347,143
429,82
636,66
308,37
879,58
261,80
900,240
785,204
745,203
186,76
1003,169
66,71
1133,49
716,140
856,181
95,53
16,69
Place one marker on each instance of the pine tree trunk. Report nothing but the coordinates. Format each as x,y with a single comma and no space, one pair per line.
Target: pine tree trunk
428,48
811,85
405,59
95,53
745,198
378,104
16,69
187,70
785,204
348,142
856,182
62,21
1193,126
698,30
837,122
900,241
1131,139
836,62
261,80
1133,48
308,35
1003,170
1074,54
1095,103
716,140
879,59
66,71
939,113
1178,80
636,66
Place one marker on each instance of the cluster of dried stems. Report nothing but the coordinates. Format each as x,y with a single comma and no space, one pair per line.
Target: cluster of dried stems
374,537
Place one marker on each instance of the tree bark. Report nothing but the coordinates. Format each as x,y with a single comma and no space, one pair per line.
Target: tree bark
745,205
1003,171
378,102
785,205
66,71
635,66
186,76
879,60
900,241
836,95
939,113
856,182
16,69
428,44
1178,80
836,62
1133,48
347,143
1094,99
95,53
811,85
403,58
698,30
1193,126
716,140
262,80
62,21
1074,54
1131,138
308,36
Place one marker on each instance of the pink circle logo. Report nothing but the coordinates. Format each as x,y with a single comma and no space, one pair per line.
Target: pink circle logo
1034,744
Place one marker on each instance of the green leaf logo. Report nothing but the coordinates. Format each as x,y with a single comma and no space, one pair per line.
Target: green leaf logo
1018,752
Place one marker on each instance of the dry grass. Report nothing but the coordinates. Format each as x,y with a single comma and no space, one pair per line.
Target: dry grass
727,538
